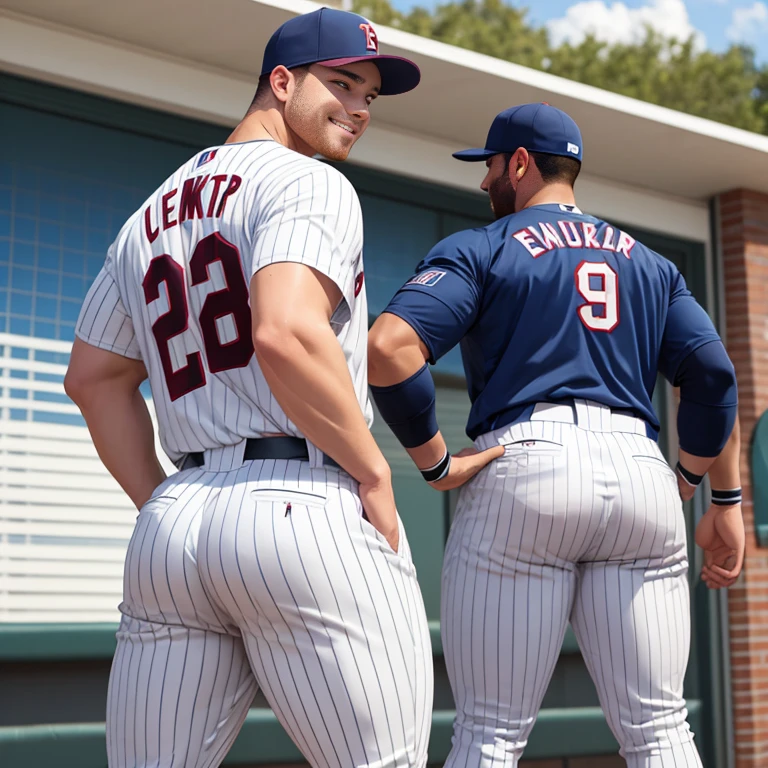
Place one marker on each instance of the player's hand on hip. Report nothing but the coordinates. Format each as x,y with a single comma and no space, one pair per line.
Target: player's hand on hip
378,500
720,533
465,465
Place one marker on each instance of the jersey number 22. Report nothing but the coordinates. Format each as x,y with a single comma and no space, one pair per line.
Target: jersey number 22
230,300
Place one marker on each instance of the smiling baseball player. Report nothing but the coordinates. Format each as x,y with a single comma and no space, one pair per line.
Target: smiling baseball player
275,558
564,321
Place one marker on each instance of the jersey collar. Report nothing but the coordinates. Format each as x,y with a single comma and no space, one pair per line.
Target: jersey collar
559,207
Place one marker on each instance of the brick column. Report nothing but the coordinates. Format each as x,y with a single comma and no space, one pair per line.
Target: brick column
744,241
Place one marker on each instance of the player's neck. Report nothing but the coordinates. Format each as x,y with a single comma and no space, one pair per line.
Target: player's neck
552,193
268,124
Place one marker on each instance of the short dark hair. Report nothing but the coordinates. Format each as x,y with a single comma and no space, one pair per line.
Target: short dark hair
264,89
553,168
556,168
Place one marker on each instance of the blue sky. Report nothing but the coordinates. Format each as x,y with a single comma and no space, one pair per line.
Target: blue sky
716,23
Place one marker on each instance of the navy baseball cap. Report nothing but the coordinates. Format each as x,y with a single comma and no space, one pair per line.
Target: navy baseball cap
535,127
335,38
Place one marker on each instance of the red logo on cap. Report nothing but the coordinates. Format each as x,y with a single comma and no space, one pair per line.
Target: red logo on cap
371,39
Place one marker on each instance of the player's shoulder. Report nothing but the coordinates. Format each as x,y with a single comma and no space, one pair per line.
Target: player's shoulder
293,166
317,182
639,248
466,244
120,247
465,253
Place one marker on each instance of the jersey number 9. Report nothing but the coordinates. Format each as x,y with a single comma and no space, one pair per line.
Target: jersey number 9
605,298
230,300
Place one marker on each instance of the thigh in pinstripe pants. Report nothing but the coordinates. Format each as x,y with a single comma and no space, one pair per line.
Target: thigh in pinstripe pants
570,524
268,576
632,609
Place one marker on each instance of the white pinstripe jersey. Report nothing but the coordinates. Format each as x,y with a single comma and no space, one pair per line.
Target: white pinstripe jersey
173,291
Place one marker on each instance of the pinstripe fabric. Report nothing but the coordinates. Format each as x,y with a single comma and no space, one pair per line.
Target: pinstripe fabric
580,524
227,590
107,317
239,574
288,208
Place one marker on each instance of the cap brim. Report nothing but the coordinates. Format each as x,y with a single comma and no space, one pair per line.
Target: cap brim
398,75
473,155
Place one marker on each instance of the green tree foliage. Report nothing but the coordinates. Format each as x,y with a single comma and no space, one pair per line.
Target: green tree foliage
727,87
662,71
490,26
761,97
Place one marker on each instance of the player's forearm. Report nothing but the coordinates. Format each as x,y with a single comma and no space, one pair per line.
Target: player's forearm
308,376
395,353
708,406
122,433
696,465
725,474
429,454
388,366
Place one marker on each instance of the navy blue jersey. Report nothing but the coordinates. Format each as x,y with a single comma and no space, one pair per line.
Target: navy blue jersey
550,304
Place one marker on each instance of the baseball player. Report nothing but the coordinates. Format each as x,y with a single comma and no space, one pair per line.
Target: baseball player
564,321
275,558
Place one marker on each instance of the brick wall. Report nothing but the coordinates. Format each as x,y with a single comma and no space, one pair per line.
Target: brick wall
744,240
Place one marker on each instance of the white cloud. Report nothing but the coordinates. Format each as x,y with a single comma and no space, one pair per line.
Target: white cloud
748,24
616,23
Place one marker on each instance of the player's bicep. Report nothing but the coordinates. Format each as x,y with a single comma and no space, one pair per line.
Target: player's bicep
440,306
286,296
391,332
91,367
687,328
104,322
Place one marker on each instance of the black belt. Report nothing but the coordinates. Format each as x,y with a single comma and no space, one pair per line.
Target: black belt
260,448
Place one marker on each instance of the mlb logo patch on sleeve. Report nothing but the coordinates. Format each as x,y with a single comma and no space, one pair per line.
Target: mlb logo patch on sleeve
427,279
206,157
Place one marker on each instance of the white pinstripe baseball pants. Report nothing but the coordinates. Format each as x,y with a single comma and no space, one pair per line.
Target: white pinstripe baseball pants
267,575
580,524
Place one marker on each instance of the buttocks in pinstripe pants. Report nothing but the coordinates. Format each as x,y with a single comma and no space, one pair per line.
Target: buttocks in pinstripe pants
264,574
578,521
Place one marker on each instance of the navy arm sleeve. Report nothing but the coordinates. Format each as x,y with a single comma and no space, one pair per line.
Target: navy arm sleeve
687,327
708,400
693,358
441,301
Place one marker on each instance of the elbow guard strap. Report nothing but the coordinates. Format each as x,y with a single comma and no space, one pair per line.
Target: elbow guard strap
409,408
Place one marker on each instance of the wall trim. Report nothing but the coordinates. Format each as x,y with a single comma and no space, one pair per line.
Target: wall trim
115,70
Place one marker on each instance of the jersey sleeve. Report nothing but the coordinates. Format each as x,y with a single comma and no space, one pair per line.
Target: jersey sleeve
314,219
104,321
441,301
687,327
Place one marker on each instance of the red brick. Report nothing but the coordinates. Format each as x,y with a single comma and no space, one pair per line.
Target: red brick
744,245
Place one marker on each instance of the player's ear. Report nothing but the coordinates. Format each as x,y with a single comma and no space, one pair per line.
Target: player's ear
280,79
522,161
